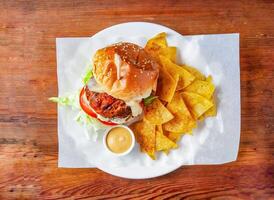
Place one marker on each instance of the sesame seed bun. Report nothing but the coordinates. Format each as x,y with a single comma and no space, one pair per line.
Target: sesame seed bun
125,71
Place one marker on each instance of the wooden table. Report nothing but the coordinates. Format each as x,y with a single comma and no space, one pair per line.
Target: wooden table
28,129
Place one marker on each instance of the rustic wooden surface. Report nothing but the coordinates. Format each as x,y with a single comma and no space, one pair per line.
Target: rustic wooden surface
28,130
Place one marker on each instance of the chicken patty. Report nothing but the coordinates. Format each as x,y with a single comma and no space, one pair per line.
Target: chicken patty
106,105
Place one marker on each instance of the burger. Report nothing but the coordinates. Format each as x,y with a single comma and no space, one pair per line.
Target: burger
124,74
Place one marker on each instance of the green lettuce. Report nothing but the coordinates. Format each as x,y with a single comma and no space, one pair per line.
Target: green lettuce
70,100
149,100
86,120
92,126
87,76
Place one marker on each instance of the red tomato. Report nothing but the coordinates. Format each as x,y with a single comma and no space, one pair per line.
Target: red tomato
86,108
107,123
142,104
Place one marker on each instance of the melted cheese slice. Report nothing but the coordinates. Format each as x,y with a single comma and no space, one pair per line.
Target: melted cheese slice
135,106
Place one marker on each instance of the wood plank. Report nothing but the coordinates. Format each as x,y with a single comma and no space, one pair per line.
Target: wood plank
28,129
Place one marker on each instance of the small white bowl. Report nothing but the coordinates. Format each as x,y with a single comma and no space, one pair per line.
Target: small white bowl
132,139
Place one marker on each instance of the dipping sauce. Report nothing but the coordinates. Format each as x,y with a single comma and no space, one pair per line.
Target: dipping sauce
118,140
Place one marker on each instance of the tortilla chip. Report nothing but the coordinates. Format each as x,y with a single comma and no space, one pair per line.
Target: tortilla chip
213,110
202,117
177,104
170,53
157,42
166,85
183,121
196,103
195,72
185,78
156,113
180,123
163,143
203,88
158,46
145,135
180,84
159,128
175,137
166,152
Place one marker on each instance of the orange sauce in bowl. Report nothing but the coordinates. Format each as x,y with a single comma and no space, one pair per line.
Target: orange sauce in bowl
118,140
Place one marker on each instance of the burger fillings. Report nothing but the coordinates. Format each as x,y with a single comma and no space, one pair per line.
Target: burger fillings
124,74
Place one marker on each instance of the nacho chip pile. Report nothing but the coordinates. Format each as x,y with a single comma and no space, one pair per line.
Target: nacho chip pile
185,96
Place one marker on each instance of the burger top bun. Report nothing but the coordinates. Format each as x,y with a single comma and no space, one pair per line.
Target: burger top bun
125,71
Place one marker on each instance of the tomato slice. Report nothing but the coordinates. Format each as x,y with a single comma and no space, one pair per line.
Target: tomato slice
84,104
142,104
86,108
108,123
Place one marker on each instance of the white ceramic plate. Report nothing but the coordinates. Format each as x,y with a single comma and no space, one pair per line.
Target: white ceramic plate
215,141
147,30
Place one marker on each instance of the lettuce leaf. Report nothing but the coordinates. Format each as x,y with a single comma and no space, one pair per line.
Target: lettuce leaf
149,99
87,76
73,99
70,100
92,125
85,119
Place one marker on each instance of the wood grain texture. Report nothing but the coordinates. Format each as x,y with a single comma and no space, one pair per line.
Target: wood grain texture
28,129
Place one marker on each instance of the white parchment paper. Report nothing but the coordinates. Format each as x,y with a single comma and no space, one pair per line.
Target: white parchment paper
215,141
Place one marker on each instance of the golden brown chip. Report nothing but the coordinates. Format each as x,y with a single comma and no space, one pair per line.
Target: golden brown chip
180,124
185,78
195,72
159,128
166,152
145,136
163,143
202,117
170,53
166,85
187,94
157,42
158,46
180,84
177,104
196,103
175,137
183,121
209,79
203,88
213,110
156,113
